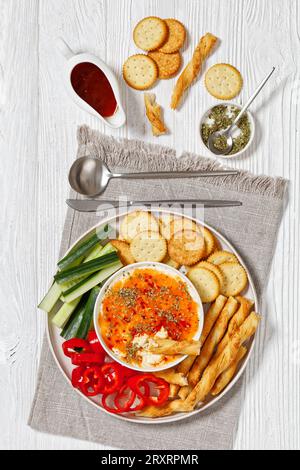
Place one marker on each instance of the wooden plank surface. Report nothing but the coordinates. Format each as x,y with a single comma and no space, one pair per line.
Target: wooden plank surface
38,141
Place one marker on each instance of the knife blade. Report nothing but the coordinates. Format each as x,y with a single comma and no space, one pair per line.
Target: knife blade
94,205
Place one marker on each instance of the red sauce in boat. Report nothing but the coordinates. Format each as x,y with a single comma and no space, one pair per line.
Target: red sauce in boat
91,84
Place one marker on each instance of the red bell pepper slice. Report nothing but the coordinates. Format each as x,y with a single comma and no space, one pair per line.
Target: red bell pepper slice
95,343
113,377
71,345
92,381
77,376
163,388
86,359
124,398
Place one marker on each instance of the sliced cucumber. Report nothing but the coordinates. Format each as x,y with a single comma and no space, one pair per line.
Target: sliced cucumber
64,313
100,251
88,284
50,298
71,328
85,269
85,247
84,326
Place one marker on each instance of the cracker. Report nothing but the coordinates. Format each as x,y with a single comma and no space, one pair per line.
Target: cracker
168,64
164,224
176,36
186,247
222,256
136,222
140,72
223,81
180,224
148,246
213,268
150,33
235,278
123,251
171,262
206,283
210,241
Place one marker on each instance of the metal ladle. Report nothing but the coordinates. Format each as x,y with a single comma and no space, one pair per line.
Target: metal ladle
212,140
90,176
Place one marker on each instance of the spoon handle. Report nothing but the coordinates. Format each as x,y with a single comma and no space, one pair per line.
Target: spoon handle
174,174
250,100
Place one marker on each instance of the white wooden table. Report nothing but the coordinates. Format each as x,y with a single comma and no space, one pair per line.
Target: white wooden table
38,139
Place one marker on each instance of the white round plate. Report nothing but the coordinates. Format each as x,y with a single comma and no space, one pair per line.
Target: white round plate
65,365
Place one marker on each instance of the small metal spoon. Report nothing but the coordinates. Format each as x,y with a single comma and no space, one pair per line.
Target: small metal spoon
227,132
90,176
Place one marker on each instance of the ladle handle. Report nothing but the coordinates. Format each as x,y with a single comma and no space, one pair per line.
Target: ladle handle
250,100
174,174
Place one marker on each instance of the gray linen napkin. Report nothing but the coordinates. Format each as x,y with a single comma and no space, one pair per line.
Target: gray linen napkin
252,229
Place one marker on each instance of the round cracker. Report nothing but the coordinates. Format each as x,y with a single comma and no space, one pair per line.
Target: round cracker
206,283
123,251
168,64
180,224
150,33
222,256
186,247
210,241
164,224
140,72
176,36
213,268
137,222
235,279
148,246
223,81
171,262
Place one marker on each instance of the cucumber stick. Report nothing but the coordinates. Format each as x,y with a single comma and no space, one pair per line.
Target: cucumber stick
64,313
85,325
71,328
85,247
88,284
85,269
50,298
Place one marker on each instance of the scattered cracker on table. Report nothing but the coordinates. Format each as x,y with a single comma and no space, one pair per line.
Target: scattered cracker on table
140,72
148,246
235,278
206,283
136,222
176,36
168,64
150,33
186,247
223,81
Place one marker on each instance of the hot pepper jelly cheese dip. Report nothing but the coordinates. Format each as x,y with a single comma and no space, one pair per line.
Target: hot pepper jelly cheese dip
143,305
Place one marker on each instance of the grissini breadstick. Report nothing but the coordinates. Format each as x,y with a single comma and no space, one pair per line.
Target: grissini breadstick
221,362
193,68
171,347
211,342
172,377
215,368
238,318
153,112
226,376
209,321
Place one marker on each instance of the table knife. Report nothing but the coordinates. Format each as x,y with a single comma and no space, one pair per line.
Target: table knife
95,205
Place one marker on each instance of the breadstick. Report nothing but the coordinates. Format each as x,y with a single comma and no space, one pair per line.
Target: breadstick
153,112
213,339
241,315
174,391
193,68
220,363
209,321
172,377
171,347
226,376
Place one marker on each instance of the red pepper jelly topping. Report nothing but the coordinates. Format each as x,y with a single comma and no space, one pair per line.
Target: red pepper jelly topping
91,84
